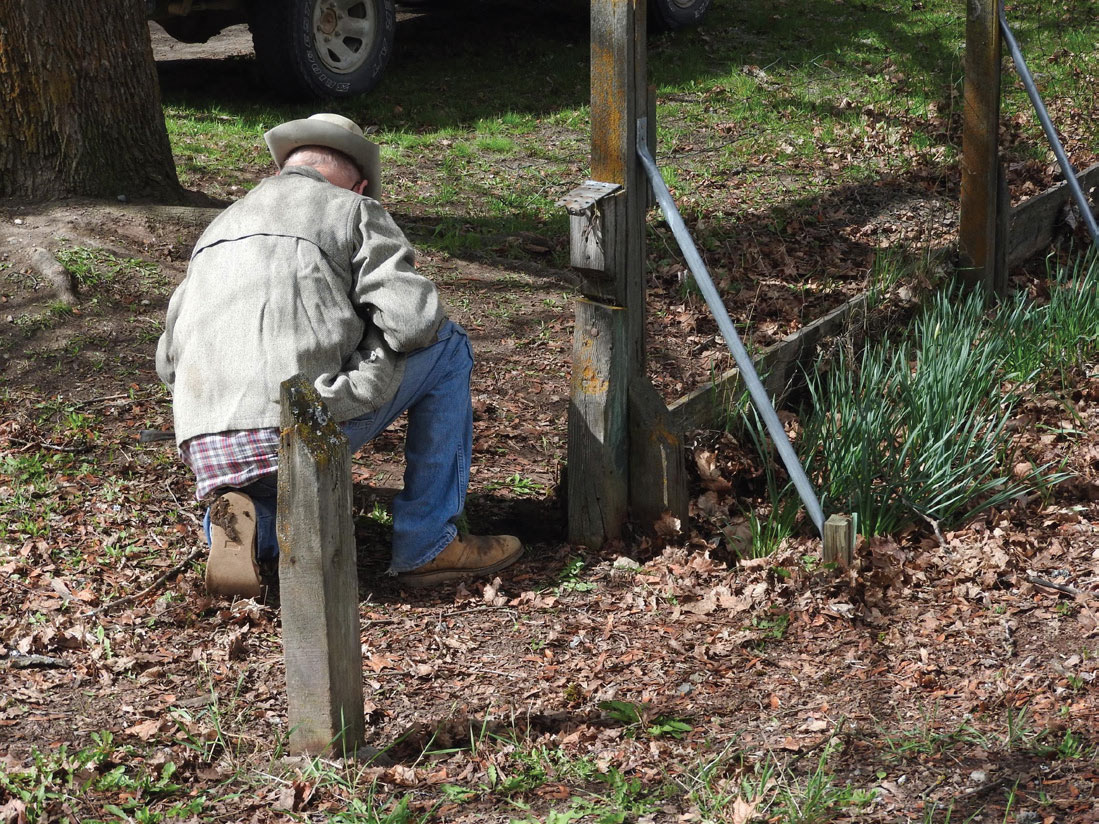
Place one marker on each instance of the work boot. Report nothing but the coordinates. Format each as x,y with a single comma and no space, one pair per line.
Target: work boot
232,568
465,557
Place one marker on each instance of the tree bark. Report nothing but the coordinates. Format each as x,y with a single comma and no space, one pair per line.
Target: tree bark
79,102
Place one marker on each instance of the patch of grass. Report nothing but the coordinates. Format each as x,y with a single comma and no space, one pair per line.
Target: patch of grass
639,718
915,429
102,779
211,732
1053,339
208,141
93,268
624,800
927,737
519,486
568,579
350,784
27,506
728,784
818,797
732,787
495,144
31,322
26,469
368,810
891,267
452,237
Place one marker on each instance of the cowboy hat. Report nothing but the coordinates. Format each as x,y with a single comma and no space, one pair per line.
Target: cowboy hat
334,132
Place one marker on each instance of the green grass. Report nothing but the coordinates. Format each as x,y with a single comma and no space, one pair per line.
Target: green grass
639,719
1061,336
209,143
930,736
101,777
916,428
28,504
519,486
514,773
483,118
95,268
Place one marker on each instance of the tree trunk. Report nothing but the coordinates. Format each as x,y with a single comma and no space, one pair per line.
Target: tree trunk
79,102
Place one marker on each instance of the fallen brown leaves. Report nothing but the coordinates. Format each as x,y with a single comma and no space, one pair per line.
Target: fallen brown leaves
906,667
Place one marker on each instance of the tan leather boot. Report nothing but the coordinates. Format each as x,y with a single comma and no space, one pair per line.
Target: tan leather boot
465,557
231,568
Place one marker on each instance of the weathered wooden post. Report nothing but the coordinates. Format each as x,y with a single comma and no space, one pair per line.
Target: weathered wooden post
984,204
617,466
318,579
598,437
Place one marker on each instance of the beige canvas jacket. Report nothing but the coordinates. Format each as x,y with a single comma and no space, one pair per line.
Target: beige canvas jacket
297,276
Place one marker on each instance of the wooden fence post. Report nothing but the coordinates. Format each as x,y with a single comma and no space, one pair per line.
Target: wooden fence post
598,447
619,98
983,210
612,451
318,577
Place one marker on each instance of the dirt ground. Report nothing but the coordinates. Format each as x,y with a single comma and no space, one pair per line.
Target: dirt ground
953,676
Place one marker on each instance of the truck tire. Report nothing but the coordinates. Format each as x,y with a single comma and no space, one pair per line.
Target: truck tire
322,48
669,15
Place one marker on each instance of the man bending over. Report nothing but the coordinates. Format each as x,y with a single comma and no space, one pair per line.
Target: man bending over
308,273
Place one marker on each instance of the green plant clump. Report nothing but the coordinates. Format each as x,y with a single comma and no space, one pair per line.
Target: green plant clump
915,429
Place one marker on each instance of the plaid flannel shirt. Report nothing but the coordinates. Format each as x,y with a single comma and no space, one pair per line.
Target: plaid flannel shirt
231,459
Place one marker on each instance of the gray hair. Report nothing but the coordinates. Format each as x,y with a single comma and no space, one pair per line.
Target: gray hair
321,156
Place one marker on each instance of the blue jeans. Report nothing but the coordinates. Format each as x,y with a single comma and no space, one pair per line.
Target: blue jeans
438,448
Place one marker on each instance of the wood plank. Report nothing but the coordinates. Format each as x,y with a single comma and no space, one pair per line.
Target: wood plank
979,208
598,430
318,577
707,406
619,98
658,473
1034,221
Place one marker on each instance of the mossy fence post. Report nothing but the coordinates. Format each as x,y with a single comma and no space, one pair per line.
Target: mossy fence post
318,577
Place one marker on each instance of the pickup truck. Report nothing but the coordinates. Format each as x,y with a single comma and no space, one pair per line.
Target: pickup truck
330,48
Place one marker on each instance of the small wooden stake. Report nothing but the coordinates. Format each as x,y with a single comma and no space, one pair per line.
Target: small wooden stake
839,540
318,578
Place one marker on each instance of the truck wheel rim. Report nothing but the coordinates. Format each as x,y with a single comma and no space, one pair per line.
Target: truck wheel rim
343,31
